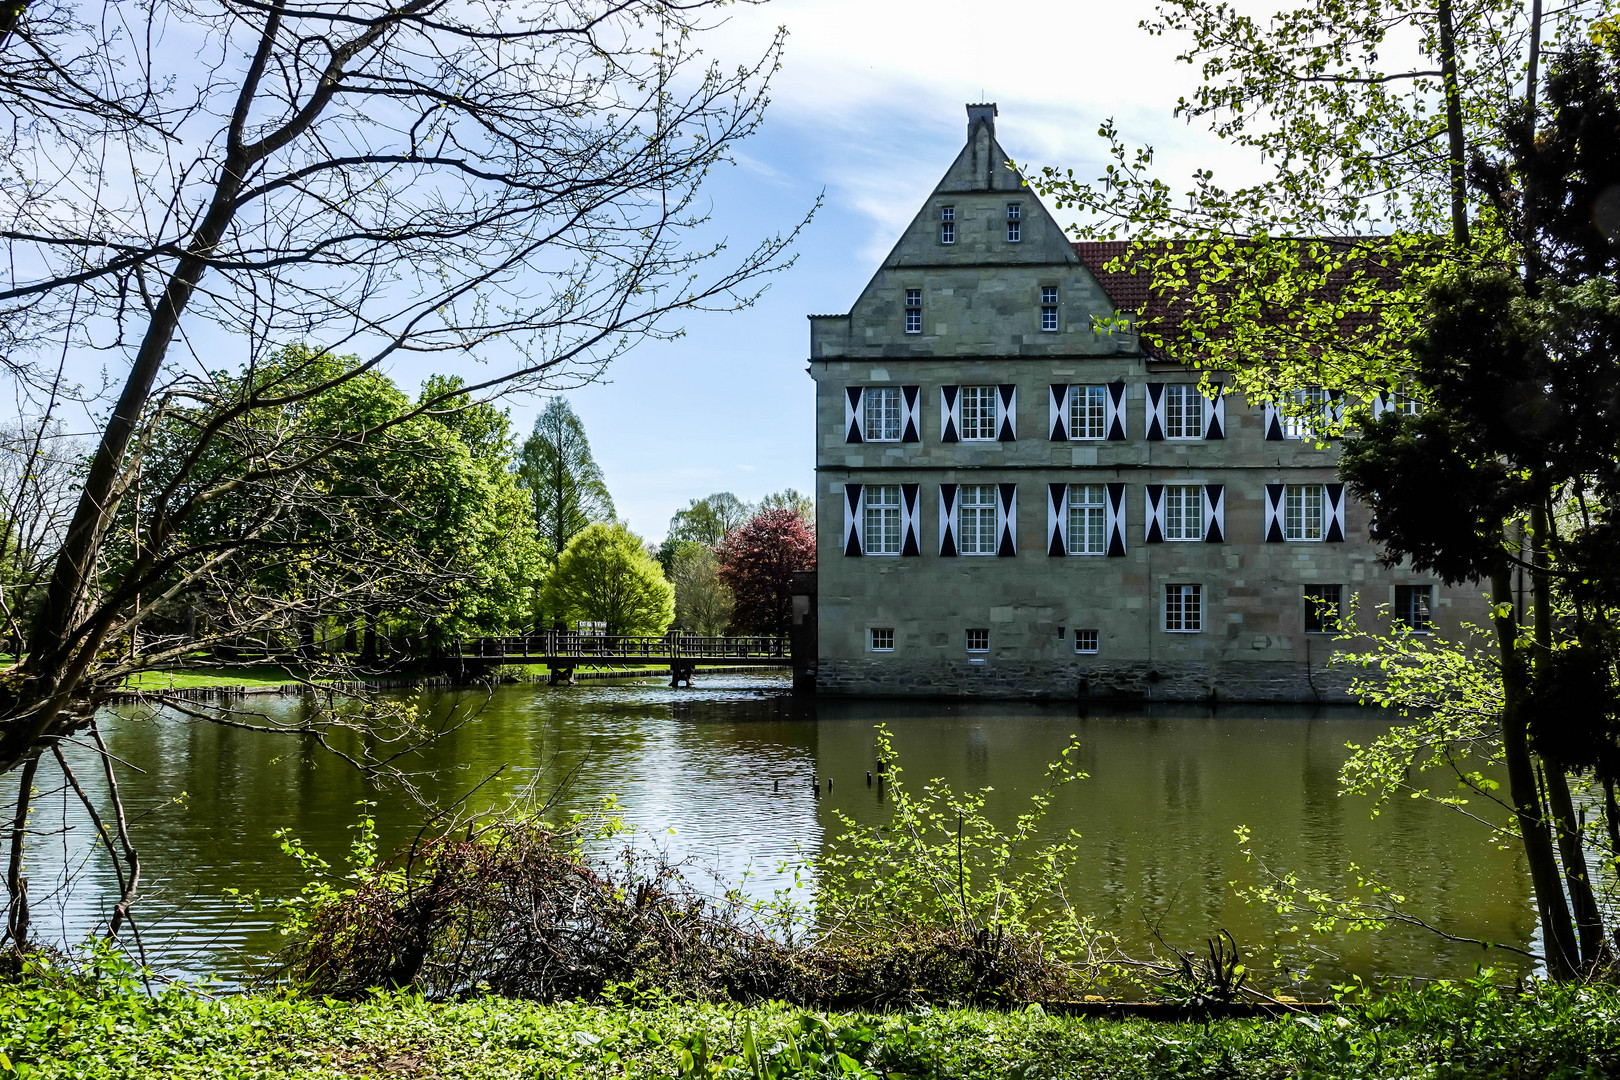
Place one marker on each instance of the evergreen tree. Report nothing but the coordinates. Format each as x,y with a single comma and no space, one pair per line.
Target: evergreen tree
563,480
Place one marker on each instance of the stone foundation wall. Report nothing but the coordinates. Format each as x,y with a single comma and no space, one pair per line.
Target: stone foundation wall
1251,682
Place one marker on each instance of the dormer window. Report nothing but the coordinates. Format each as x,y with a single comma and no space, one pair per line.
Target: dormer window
1049,307
1015,224
913,311
947,224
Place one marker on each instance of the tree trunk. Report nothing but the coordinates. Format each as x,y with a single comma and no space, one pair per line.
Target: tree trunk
16,884
369,654
1563,952
1457,148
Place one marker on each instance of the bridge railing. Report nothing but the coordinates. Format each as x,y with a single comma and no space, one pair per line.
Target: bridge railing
621,648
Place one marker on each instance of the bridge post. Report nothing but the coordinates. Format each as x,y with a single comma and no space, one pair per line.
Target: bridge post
561,676
681,671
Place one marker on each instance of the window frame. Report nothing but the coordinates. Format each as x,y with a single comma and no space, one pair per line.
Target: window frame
873,637
1184,492
1286,511
967,640
1087,646
1178,396
883,509
870,398
1300,424
968,541
1316,609
913,310
981,394
1076,391
1049,309
1182,592
1093,512
1401,616
1015,223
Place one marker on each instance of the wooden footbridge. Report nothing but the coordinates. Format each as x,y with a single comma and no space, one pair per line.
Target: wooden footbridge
563,651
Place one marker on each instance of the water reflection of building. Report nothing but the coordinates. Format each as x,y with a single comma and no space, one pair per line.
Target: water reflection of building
1012,503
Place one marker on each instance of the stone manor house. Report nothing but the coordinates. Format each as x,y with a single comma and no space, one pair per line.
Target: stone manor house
1013,503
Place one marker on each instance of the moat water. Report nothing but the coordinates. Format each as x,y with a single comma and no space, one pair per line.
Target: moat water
721,775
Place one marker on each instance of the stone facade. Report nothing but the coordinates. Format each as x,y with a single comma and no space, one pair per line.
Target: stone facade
965,300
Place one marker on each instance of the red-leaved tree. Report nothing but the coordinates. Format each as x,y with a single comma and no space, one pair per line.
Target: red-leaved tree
757,563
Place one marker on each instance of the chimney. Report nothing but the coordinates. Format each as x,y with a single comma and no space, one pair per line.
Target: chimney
984,113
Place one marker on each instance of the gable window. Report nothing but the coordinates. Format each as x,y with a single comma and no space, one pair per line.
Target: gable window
1015,223
1087,520
1304,507
881,639
1049,311
978,640
1184,512
1183,412
978,413
1414,606
977,514
881,507
1183,609
881,422
1087,641
947,224
1088,412
1324,604
913,311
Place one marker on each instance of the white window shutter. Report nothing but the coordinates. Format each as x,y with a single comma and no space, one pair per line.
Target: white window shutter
911,427
1334,505
1114,519
950,414
854,527
1155,410
1116,412
1057,515
910,542
1335,409
1382,403
1006,412
1274,512
1273,423
948,527
853,415
1058,412
1215,416
1153,527
1006,519
1215,513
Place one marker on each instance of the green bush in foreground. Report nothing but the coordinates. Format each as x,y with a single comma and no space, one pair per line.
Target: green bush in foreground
67,1026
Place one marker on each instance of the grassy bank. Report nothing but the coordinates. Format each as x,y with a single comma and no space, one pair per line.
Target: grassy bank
73,1028
271,676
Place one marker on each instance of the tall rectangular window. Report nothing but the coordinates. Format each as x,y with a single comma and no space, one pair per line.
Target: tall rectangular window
1414,607
1183,609
978,640
977,517
1088,412
1184,512
882,420
1183,412
882,525
1323,606
1015,223
1304,508
913,311
881,639
1312,408
1049,311
978,409
947,224
1086,517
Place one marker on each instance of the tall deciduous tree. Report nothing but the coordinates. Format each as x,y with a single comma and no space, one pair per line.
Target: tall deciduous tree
563,480
702,604
605,575
757,563
790,499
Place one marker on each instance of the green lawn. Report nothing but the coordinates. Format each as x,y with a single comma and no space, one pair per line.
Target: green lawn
73,1028
247,675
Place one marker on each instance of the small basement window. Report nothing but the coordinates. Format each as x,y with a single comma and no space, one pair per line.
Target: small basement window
978,641
1087,641
881,638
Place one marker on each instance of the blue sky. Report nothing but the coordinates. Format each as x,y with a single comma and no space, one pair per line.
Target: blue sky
869,109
